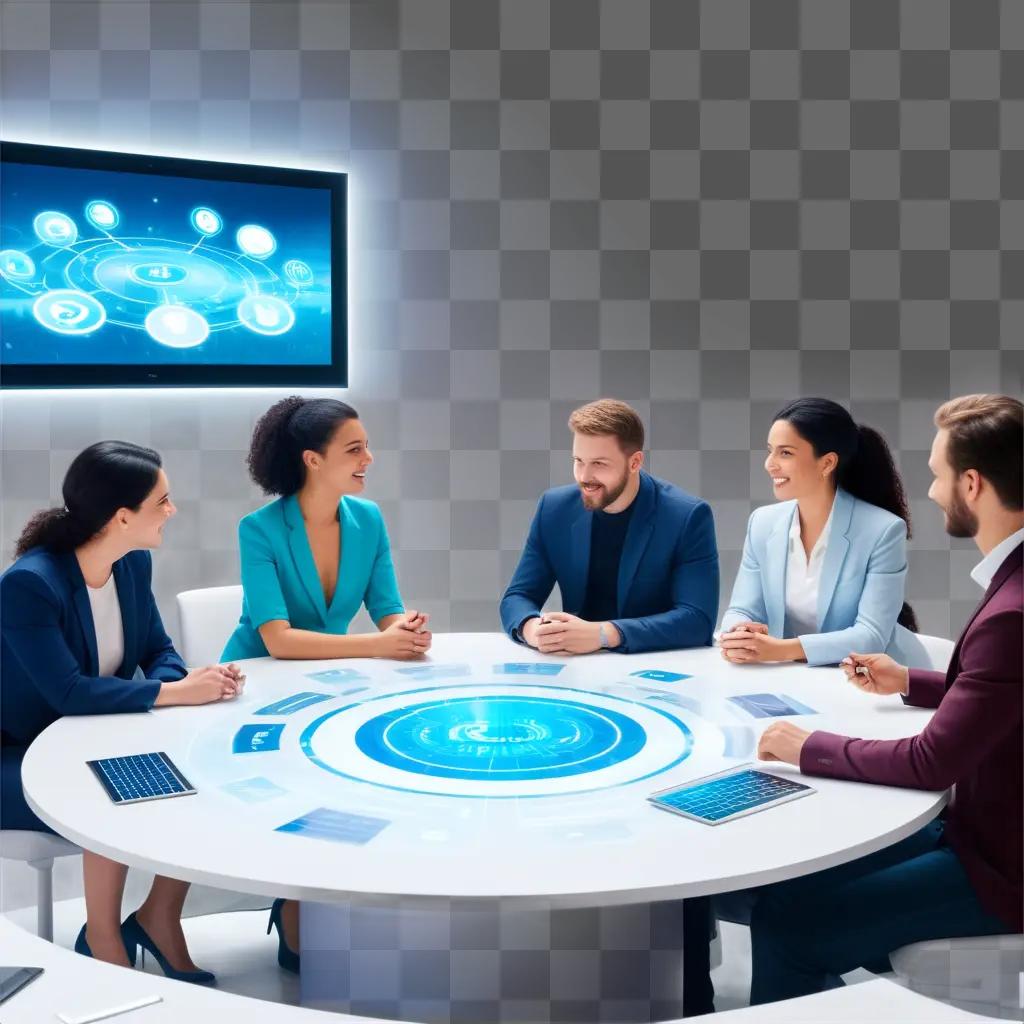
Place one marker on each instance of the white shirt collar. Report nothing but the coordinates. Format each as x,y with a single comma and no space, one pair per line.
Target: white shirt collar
821,543
983,572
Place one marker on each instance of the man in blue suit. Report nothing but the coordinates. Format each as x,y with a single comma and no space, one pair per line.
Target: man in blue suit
634,557
637,564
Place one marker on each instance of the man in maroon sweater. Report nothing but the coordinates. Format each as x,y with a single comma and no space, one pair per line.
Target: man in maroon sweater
961,875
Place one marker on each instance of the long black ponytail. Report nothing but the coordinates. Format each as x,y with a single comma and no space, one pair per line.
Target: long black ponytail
106,476
866,468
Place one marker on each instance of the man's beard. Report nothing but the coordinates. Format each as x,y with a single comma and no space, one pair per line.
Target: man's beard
603,498
960,520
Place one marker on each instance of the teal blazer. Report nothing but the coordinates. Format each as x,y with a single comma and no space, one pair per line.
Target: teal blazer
862,582
280,581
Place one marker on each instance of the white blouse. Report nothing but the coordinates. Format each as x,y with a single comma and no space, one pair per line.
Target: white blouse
106,618
803,580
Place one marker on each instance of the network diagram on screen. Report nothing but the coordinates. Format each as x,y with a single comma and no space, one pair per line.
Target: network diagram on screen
114,267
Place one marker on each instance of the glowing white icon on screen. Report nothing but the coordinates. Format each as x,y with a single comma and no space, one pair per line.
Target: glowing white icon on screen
177,326
101,214
299,273
16,265
160,274
206,221
266,314
255,241
68,311
55,228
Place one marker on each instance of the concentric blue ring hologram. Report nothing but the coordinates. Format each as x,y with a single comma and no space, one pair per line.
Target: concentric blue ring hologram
500,737
565,737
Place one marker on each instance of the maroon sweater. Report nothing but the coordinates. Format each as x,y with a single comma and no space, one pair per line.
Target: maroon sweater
973,741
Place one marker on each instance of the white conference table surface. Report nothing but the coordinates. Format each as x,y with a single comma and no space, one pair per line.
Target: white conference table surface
582,839
75,985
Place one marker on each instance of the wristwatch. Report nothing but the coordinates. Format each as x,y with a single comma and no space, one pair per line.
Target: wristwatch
602,636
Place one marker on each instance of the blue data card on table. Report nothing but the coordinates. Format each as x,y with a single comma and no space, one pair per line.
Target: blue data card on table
528,668
771,705
336,675
336,826
254,790
434,671
254,739
659,675
296,702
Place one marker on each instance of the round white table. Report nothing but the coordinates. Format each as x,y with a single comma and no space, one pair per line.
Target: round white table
483,811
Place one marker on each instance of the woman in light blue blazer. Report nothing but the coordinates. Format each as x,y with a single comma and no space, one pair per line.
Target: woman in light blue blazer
823,571
313,557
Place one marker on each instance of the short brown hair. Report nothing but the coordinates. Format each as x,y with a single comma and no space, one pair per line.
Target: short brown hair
986,434
610,416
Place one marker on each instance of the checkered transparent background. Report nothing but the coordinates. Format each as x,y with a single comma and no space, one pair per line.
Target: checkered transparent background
704,208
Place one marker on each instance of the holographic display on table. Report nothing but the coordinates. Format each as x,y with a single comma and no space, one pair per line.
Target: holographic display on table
119,269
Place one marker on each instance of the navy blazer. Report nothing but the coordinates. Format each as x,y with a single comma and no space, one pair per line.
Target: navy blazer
48,658
668,575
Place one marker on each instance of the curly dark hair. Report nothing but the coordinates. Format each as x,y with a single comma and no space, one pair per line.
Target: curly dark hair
866,468
101,479
286,430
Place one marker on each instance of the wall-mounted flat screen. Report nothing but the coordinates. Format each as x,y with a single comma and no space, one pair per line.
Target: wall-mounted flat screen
128,270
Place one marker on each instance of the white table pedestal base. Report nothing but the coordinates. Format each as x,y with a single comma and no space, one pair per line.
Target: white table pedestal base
446,962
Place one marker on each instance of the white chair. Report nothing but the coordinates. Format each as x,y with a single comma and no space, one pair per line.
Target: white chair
934,652
208,617
982,973
38,850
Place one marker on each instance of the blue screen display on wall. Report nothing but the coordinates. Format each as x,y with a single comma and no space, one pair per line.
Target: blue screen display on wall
119,269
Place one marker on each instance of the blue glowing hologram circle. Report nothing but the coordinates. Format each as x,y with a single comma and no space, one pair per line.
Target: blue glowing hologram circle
160,275
504,737
16,265
255,241
500,737
177,326
101,214
299,273
67,311
55,228
266,314
206,221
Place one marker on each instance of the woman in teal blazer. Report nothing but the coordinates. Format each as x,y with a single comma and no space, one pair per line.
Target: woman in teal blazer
312,558
823,571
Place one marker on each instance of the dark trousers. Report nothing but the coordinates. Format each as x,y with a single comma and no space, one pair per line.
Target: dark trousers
698,992
807,931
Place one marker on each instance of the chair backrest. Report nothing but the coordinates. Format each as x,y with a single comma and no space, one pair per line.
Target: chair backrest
208,617
938,649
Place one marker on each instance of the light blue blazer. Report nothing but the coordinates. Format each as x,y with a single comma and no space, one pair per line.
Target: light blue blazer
861,589
280,581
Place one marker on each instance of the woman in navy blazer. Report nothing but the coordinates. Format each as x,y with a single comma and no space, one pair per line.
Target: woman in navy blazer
56,659
823,572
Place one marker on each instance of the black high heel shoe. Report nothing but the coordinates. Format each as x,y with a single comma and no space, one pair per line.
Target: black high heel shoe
288,959
82,947
135,936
